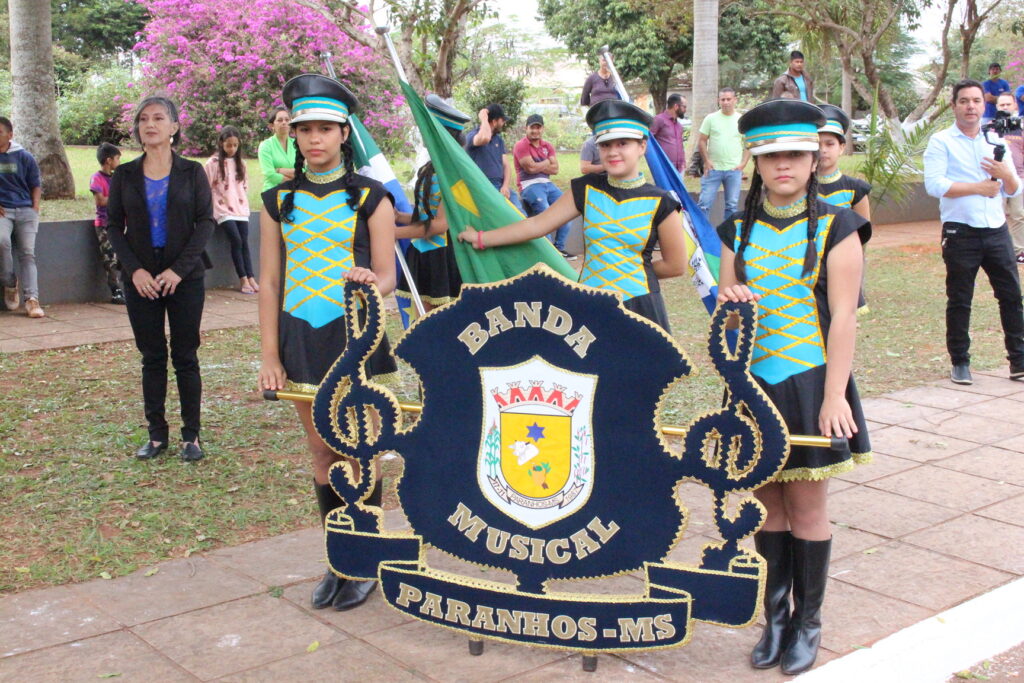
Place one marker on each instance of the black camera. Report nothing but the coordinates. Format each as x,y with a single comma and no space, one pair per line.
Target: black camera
1004,123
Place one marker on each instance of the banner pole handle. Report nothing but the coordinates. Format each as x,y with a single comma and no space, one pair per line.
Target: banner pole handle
417,301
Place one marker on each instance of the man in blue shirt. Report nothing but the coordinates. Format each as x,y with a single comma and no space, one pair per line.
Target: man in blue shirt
960,171
795,81
1018,94
993,87
20,193
486,148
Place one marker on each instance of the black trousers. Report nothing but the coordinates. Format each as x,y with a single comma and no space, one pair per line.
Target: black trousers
183,311
238,236
965,250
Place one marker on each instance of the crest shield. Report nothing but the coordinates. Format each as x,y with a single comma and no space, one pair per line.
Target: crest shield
536,461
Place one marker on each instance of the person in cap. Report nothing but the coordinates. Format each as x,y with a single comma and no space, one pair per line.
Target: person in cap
834,186
624,216
486,148
535,161
332,225
801,259
429,256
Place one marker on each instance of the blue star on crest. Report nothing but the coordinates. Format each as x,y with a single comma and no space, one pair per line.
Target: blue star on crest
535,432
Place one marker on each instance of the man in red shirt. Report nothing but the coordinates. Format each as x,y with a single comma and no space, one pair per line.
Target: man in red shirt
535,163
669,133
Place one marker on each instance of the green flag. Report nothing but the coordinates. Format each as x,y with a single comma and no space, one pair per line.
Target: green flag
470,199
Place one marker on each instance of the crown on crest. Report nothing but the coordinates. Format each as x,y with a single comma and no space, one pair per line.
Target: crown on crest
516,396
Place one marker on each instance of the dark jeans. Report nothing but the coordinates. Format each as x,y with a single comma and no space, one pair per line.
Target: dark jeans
183,311
965,249
238,235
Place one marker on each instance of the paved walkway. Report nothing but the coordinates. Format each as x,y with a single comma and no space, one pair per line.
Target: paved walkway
936,520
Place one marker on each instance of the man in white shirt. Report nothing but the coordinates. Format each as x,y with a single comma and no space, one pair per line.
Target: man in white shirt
971,185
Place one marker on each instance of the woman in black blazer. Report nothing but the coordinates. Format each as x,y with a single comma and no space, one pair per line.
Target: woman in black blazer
161,215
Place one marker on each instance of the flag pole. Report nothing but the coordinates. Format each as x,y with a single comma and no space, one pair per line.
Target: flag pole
607,54
329,67
385,33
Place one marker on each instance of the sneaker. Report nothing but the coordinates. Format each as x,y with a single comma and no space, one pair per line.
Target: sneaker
117,297
11,298
1017,372
33,308
961,374
1020,257
567,255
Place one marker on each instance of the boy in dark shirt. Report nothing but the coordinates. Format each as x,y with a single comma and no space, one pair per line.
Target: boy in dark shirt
109,157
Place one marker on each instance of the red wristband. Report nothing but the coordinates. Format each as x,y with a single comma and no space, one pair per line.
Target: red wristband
480,240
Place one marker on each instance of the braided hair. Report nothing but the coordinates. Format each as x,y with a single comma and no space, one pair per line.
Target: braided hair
347,159
754,199
424,183
749,213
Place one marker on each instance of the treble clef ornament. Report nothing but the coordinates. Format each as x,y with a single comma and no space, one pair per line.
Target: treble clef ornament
353,416
743,444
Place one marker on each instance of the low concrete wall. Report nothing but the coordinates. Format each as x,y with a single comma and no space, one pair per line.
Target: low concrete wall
70,271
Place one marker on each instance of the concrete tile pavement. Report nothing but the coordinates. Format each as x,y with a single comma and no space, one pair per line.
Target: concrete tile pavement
936,521
76,324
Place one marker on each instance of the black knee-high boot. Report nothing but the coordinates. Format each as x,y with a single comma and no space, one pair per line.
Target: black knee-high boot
327,590
810,574
355,593
776,549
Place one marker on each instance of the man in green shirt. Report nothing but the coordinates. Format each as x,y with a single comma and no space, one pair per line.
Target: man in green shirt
277,153
721,147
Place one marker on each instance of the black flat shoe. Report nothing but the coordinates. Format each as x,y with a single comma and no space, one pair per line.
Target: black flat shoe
353,594
327,590
149,451
191,452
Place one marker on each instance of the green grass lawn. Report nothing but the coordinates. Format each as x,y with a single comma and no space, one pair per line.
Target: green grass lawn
79,506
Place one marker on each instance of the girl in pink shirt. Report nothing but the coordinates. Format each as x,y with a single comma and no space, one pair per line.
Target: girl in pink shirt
226,171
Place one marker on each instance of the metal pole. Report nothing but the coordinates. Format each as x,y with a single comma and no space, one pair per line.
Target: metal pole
385,33
416,300
668,430
615,72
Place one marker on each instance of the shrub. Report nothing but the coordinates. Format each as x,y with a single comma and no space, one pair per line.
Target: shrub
225,61
91,115
500,89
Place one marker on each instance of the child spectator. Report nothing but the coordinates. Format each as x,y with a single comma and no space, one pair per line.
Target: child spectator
226,171
109,157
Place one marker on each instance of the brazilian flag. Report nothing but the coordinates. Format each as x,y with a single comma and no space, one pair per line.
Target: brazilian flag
470,199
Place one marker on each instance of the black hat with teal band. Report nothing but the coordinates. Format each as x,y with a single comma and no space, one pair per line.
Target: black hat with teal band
615,120
312,97
781,125
449,116
836,121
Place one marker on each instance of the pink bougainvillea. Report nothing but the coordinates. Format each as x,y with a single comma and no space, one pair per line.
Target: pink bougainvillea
224,62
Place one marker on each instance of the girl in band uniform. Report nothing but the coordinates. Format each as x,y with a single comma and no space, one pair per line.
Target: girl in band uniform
801,259
624,216
334,225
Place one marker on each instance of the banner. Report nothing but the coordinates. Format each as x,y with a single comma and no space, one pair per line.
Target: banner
539,451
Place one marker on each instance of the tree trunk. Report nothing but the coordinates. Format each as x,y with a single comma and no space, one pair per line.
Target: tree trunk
847,97
705,61
34,99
